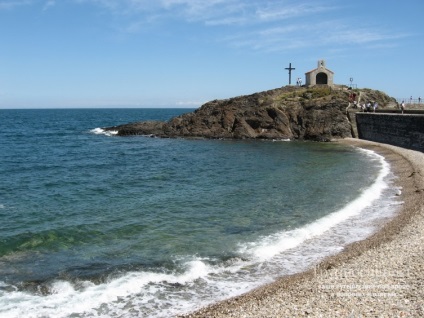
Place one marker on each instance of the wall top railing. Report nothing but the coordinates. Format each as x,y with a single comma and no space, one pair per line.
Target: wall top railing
411,100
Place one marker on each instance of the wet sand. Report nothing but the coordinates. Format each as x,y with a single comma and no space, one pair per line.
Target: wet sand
381,276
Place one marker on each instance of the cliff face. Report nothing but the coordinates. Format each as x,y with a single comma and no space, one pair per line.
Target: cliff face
284,113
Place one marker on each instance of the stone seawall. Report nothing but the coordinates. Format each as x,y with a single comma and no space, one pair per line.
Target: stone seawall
405,130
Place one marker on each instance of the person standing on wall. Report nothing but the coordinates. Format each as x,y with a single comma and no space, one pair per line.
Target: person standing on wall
375,106
402,106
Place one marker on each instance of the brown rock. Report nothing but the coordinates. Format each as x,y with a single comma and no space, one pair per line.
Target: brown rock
285,113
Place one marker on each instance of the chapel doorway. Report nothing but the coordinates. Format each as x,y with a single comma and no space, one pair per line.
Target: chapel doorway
322,79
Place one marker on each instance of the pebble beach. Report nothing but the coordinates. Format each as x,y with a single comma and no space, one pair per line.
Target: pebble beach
381,276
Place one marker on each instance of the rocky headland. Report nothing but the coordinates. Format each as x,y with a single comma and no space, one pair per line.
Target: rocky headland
317,113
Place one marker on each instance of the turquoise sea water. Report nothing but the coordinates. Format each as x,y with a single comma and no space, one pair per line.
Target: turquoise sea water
98,225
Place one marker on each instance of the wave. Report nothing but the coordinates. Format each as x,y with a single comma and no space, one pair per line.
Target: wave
197,281
101,131
270,246
140,289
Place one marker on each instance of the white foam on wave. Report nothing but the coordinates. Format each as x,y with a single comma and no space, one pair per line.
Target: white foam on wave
100,131
270,246
86,297
286,140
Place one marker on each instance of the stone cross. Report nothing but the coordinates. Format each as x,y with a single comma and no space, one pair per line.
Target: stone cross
290,68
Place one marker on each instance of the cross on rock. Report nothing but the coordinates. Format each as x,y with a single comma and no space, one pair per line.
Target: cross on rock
290,68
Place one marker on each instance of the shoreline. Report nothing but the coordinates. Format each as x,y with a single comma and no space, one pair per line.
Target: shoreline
382,275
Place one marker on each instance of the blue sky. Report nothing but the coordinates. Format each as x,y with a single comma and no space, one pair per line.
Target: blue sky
183,53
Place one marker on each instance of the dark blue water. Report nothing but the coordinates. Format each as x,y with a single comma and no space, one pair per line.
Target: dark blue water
94,224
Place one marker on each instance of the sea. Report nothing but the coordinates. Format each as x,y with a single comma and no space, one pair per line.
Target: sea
97,225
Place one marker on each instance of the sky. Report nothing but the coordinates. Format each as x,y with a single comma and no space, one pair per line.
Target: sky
183,53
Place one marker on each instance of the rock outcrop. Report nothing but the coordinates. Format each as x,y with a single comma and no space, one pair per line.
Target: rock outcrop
317,113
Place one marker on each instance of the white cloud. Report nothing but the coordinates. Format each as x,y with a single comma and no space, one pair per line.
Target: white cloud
49,4
270,25
331,34
188,10
7,5
361,36
276,11
13,4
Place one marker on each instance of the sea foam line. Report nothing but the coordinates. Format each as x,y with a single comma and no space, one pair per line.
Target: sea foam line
273,245
65,299
101,131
